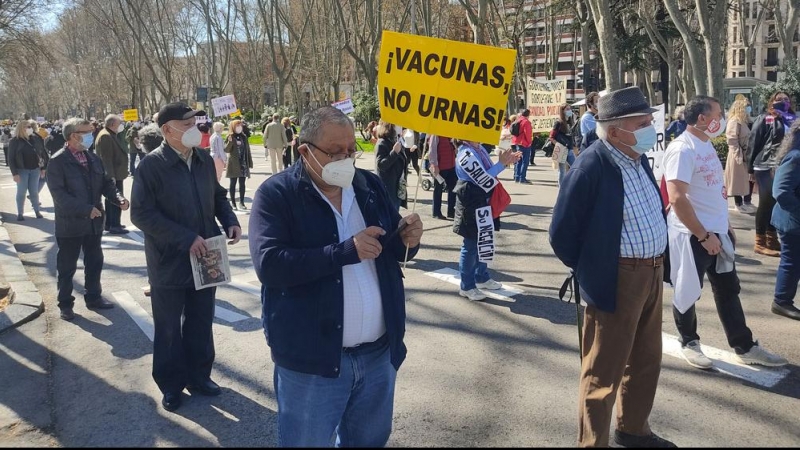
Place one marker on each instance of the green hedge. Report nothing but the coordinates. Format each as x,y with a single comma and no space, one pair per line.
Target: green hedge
367,146
721,146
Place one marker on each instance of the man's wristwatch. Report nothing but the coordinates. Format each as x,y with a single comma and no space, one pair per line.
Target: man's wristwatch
708,235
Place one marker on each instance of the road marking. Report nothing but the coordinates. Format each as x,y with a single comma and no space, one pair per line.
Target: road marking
242,282
725,362
228,315
8,186
134,233
137,313
109,242
453,277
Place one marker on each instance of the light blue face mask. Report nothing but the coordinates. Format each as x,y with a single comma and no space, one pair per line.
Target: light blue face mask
749,109
646,139
568,113
88,140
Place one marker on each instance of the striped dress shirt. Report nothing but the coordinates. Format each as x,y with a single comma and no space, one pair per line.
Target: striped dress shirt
644,231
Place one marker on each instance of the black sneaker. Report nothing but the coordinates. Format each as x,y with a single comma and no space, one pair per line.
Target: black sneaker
626,440
242,207
67,314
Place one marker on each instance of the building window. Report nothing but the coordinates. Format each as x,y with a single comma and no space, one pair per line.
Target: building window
741,57
733,58
772,34
733,74
746,10
772,57
741,74
755,10
735,35
770,14
753,52
772,75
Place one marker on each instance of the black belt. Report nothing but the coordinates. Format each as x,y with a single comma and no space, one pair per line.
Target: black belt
367,346
655,261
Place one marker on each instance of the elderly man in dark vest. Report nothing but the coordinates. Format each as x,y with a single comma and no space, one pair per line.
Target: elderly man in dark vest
609,228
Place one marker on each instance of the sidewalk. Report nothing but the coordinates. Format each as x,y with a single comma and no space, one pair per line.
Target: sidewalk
26,303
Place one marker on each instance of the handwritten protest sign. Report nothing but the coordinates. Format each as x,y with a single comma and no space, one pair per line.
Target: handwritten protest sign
444,87
224,105
545,99
345,106
130,115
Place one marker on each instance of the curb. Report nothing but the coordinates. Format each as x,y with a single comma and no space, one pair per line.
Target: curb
28,303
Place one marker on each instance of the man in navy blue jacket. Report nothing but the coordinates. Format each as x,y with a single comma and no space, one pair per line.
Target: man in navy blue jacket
609,228
325,244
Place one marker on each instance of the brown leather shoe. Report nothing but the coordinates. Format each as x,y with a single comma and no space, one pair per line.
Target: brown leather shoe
761,247
772,241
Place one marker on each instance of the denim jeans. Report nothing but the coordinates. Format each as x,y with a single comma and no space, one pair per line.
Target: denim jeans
28,182
766,201
725,287
521,167
788,269
562,168
354,410
471,270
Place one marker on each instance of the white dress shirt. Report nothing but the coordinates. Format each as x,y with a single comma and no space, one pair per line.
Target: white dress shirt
363,307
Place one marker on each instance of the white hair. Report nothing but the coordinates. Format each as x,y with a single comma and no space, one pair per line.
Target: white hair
112,119
602,128
218,127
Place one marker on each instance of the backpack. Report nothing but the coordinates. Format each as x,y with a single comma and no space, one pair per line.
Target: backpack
515,128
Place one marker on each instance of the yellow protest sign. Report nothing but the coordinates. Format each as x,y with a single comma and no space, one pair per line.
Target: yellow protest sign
443,87
130,115
236,113
545,99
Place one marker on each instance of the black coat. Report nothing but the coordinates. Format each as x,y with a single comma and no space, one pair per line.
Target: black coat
31,150
469,197
173,206
765,142
76,190
391,167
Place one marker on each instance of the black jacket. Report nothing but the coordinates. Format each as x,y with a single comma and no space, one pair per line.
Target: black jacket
76,190
26,154
765,141
54,142
172,206
391,166
470,197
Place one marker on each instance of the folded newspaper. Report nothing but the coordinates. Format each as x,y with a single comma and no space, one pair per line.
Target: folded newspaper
213,269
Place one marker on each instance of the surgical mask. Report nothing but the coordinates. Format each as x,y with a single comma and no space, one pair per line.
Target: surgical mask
749,110
646,139
568,113
87,140
337,173
191,137
120,128
715,128
29,132
238,130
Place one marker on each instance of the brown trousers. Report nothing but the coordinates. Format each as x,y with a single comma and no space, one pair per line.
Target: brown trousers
622,350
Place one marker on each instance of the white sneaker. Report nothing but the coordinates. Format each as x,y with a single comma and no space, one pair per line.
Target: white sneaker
751,208
490,285
693,354
472,294
759,355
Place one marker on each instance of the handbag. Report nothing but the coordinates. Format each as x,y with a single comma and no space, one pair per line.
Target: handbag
560,153
402,189
548,148
499,200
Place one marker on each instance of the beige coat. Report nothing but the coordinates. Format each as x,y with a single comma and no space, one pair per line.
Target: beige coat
736,176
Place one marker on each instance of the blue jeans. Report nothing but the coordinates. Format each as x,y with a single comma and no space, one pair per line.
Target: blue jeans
788,269
562,168
471,270
354,410
521,167
28,181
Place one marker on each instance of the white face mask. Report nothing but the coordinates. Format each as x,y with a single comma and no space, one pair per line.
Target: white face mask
715,128
191,137
336,173
238,130
120,128
29,132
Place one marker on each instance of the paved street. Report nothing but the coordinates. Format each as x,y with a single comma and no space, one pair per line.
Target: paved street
502,372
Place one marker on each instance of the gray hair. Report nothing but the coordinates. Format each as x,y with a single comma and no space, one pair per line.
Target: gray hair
602,128
313,123
218,127
111,118
71,125
150,137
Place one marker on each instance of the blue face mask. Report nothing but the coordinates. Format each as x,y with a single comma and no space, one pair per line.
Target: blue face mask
646,139
749,109
87,141
568,114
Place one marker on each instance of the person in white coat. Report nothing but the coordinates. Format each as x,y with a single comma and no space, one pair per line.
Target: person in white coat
218,149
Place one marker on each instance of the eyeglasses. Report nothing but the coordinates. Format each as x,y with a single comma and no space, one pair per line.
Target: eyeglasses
351,153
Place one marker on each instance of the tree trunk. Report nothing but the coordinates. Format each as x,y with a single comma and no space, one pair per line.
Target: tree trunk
608,50
692,48
790,22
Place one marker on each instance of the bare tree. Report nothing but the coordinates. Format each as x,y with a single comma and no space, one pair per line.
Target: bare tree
746,34
789,23
604,22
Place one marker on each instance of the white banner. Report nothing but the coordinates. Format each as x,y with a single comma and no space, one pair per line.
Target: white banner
224,105
469,162
545,99
345,106
483,218
656,154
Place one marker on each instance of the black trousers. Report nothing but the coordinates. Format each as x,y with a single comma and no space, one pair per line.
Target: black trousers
766,202
183,353
450,180
726,296
69,250
232,190
413,158
113,212
287,156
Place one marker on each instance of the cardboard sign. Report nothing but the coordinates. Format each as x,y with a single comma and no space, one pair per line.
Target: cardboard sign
40,119
485,223
545,99
130,115
443,87
345,106
656,154
224,105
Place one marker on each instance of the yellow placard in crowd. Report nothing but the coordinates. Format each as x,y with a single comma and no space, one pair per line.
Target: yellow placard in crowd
130,115
444,87
236,113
